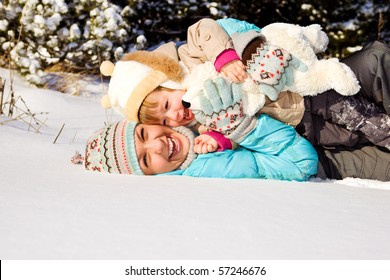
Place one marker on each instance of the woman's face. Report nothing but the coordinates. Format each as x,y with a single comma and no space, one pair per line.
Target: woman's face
159,148
171,111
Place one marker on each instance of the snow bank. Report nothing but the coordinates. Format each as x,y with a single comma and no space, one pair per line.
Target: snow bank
51,209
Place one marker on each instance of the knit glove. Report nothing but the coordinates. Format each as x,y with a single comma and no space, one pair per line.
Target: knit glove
271,67
221,109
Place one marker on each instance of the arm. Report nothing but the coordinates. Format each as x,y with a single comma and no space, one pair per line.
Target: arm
211,141
243,163
269,148
206,40
272,151
272,137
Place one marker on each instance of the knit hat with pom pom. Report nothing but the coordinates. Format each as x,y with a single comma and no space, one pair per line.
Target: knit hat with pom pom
112,149
139,73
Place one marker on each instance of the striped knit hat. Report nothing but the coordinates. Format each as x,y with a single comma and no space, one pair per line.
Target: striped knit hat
112,149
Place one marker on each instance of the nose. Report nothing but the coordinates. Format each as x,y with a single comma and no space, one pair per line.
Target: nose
156,145
174,115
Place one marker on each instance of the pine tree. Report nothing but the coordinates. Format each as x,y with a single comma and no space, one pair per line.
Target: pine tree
98,32
33,43
77,35
36,35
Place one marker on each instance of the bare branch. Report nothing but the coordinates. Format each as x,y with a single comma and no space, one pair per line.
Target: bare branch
2,85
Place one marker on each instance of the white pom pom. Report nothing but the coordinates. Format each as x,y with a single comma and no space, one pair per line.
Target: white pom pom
105,102
106,68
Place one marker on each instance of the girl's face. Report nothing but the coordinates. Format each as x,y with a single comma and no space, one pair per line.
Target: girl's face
159,148
171,111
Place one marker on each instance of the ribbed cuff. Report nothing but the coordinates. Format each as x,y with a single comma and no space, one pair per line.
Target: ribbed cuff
225,57
243,129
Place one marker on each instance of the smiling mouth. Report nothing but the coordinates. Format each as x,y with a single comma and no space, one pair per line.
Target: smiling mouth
187,114
172,147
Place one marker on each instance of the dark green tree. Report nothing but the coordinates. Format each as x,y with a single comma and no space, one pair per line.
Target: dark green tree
348,23
168,20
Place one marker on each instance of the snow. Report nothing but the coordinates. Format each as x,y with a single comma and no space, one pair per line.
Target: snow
52,209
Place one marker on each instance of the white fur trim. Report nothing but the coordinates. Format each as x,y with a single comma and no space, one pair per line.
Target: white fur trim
253,100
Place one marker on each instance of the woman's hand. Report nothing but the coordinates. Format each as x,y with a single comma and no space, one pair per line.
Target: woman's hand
204,144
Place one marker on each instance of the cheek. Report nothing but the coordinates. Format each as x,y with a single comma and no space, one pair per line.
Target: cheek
160,165
177,102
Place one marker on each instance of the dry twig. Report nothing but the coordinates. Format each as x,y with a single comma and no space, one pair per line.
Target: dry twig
19,111
2,85
62,127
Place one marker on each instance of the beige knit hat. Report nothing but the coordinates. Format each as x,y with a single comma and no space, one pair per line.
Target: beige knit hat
139,73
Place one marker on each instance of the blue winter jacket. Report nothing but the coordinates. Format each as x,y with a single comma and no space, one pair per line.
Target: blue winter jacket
273,150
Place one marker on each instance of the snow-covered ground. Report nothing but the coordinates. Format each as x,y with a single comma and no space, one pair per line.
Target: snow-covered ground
52,209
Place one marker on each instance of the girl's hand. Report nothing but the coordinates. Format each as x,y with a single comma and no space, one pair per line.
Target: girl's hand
235,70
205,144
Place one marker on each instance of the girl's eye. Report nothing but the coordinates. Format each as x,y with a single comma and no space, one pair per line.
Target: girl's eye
143,134
166,105
165,122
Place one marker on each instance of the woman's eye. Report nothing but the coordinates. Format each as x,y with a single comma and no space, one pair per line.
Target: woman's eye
146,161
166,105
164,122
142,134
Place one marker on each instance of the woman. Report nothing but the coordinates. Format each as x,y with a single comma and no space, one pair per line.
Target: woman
271,150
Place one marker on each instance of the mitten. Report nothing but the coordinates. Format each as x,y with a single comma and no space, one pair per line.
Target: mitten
271,67
221,109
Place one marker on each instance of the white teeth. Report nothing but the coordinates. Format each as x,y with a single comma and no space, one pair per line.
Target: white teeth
170,147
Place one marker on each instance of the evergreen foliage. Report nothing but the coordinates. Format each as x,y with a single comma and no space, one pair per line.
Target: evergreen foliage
35,35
